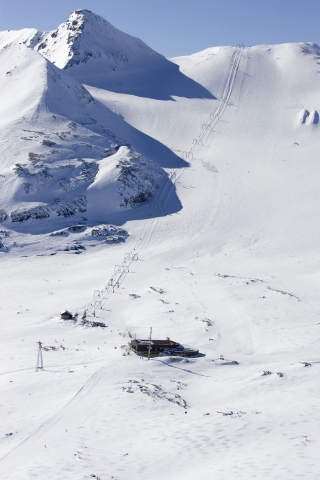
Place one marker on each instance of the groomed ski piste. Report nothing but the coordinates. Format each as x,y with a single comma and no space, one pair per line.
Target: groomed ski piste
223,256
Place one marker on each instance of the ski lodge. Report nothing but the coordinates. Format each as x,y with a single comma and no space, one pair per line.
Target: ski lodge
157,347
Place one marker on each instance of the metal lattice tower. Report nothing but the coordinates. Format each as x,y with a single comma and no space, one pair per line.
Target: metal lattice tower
150,341
39,359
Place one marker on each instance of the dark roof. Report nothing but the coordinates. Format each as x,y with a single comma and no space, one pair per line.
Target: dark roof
167,341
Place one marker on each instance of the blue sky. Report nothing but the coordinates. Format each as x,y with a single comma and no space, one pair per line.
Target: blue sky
181,27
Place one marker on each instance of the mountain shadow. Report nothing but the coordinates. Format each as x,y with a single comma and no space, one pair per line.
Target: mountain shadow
162,83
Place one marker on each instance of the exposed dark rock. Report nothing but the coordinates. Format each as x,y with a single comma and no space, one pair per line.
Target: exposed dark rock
74,248
106,229
3,215
68,210
59,233
137,178
34,158
39,212
76,228
48,143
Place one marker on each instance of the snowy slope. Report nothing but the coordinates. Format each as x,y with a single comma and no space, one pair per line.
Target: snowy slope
233,270
56,139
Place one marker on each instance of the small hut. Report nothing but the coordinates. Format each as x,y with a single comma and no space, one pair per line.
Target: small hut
66,315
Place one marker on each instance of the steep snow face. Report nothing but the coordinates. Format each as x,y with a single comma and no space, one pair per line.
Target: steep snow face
31,86
87,41
25,36
23,82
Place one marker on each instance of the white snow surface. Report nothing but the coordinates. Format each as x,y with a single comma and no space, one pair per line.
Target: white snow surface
223,256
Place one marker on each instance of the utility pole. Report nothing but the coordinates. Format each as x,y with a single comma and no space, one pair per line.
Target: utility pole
149,349
39,359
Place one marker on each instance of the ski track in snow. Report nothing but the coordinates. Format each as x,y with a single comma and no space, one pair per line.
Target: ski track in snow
51,432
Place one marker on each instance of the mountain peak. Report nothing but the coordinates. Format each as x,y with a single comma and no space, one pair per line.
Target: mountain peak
82,11
85,37
78,21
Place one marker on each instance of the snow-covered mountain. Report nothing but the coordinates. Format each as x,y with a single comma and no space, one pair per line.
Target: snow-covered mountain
86,37
96,53
56,140
191,192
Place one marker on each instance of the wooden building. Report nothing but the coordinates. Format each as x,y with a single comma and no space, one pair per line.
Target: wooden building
65,315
